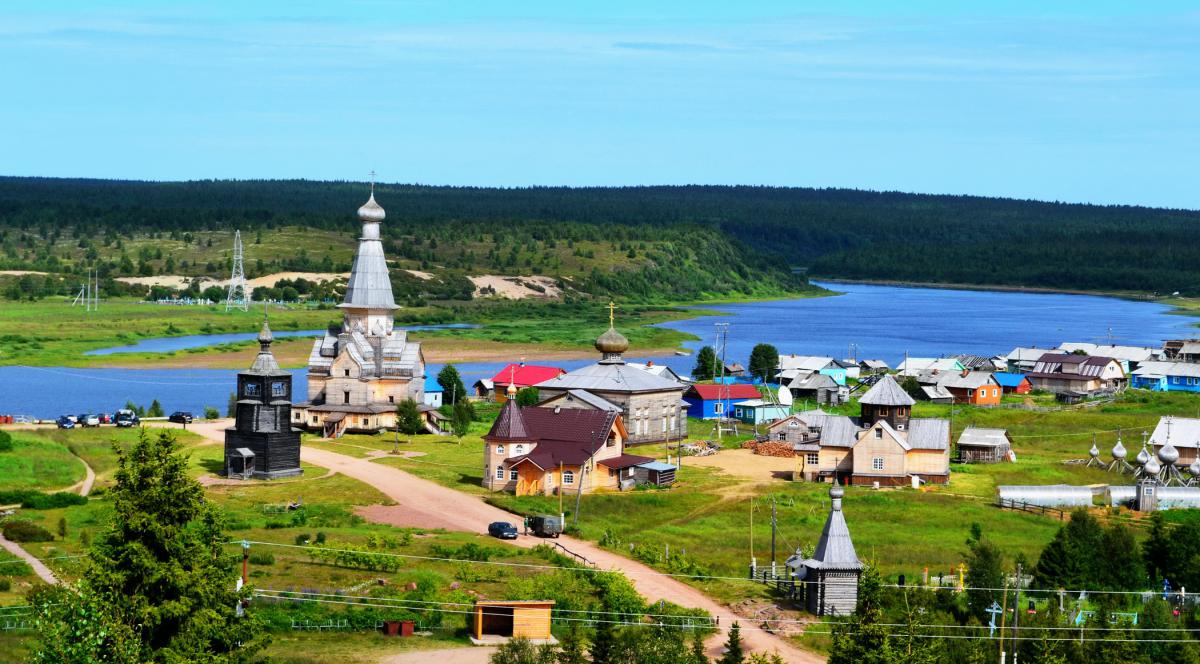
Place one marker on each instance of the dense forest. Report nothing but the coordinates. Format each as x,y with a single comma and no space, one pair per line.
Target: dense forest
646,242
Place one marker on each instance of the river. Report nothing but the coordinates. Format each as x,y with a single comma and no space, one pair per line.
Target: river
867,321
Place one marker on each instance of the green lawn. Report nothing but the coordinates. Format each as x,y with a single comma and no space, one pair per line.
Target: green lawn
38,463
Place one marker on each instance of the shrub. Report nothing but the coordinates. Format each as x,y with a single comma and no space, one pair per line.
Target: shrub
211,413
265,558
5,585
26,531
302,539
6,443
320,538
43,501
275,524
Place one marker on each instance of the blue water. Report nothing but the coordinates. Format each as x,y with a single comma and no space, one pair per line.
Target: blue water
169,344
882,321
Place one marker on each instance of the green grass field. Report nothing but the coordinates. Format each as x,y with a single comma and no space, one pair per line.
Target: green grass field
255,511
37,463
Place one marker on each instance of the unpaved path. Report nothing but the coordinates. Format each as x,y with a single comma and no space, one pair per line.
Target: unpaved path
425,504
38,566
443,656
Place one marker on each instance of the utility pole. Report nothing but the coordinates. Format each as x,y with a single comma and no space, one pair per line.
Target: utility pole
722,341
773,526
561,514
237,297
1017,615
1003,615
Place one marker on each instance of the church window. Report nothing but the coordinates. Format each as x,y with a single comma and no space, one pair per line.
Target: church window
878,434
518,449
812,458
346,396
877,463
279,389
664,427
568,477
347,372
512,474
250,389
499,449
499,472
391,398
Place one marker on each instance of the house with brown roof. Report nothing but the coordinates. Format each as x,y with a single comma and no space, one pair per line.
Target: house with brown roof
544,451
1063,373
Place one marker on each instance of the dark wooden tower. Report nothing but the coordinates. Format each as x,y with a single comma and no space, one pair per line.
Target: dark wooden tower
262,443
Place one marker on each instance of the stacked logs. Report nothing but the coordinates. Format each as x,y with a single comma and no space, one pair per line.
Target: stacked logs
771,448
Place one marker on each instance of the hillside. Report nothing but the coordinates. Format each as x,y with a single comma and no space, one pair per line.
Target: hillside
647,243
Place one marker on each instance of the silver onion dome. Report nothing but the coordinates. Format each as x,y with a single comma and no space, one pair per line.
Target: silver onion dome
1194,469
836,491
1118,451
1142,457
371,211
1153,467
1168,455
1094,452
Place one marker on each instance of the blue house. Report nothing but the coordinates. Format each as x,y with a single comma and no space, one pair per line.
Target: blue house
1166,377
757,411
793,366
708,401
433,392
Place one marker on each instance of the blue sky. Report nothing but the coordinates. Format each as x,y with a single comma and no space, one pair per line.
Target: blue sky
1084,101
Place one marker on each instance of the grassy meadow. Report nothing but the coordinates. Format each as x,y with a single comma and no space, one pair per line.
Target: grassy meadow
256,511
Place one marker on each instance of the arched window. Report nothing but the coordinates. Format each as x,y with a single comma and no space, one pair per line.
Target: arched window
518,449
568,477
499,449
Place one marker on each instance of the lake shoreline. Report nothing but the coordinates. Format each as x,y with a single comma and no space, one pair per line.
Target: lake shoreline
999,288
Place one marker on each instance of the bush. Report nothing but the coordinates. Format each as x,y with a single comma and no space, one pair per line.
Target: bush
26,531
320,538
5,585
36,500
6,443
262,558
211,413
302,539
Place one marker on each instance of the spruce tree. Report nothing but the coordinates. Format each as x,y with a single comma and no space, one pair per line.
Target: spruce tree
861,639
572,646
985,573
603,642
733,646
156,409
699,656
159,585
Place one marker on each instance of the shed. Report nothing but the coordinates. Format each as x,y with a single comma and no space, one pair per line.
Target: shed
980,445
433,392
484,387
1013,383
759,411
656,473
496,621
241,463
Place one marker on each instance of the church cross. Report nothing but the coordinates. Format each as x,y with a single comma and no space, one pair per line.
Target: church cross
612,306
372,182
995,610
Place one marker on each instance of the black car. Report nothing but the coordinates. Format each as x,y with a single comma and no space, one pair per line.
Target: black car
181,417
65,422
502,530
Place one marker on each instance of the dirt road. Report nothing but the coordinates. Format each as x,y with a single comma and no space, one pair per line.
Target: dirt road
425,504
38,566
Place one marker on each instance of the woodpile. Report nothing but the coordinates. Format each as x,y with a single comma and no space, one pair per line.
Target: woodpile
771,448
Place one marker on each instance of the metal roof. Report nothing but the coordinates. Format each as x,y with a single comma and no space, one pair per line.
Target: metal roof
807,363
927,433
737,391
1181,432
584,396
812,382
914,365
525,374
1158,369
1025,354
887,392
839,431
874,364
1006,379
1057,365
972,381
610,377
1127,353
657,466
1050,495
981,437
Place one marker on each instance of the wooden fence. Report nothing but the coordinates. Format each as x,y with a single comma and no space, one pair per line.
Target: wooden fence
1007,504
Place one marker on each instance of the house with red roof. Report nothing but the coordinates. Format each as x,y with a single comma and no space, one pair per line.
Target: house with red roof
521,375
537,451
712,401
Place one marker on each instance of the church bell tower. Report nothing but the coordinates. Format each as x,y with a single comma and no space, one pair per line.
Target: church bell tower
262,444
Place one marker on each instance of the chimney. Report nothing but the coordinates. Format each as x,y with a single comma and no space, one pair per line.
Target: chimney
965,373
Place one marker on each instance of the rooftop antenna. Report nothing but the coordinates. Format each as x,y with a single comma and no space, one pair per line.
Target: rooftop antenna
237,298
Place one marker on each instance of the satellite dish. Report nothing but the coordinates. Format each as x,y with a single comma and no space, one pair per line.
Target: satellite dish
785,396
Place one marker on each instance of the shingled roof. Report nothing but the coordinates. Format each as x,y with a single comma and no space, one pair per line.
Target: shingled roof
835,549
509,425
887,392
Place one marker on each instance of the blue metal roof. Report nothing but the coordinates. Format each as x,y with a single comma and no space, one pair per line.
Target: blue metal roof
431,384
1008,379
657,465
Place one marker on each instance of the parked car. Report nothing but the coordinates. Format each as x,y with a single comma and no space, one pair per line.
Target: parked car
88,420
502,530
181,417
127,418
544,525
65,422
74,418
105,418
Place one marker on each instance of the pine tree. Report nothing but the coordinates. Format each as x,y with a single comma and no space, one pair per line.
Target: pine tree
572,646
231,405
764,362
1123,568
985,571
451,383
733,646
156,409
408,417
861,639
603,642
699,656
707,365
159,585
